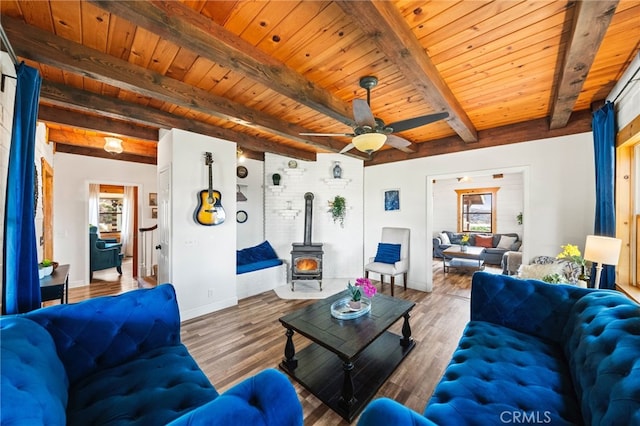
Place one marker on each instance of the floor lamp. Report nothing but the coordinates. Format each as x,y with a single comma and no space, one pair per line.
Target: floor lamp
602,251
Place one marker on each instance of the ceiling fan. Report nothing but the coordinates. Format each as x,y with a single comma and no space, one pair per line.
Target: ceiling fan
371,133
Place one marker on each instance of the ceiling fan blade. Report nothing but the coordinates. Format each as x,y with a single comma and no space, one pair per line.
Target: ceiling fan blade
400,126
399,143
327,134
347,148
362,113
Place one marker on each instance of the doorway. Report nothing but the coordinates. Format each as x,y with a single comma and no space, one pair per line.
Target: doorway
447,218
114,216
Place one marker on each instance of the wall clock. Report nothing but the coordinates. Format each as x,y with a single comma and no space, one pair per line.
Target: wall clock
241,216
242,172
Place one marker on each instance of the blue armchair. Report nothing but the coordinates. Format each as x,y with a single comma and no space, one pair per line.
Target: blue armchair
104,254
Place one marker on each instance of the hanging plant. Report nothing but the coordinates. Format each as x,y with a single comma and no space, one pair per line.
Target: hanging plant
338,209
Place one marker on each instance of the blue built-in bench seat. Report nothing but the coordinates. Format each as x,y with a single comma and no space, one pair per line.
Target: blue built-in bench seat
258,269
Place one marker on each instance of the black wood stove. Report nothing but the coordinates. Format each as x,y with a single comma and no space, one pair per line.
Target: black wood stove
306,257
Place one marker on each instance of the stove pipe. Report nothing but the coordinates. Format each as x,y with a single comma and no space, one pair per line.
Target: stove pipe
308,210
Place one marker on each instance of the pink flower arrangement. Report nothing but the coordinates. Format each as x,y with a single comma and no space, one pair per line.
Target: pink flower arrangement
363,285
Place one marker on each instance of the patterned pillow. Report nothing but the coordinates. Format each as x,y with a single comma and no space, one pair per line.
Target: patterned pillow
388,253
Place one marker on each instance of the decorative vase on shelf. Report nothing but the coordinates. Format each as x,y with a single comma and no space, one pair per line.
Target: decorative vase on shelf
337,170
276,179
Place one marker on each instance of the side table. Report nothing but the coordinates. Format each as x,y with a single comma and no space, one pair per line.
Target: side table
56,285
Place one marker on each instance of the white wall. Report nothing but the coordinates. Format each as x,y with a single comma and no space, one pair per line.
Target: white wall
72,176
343,250
559,198
251,232
203,258
42,150
509,201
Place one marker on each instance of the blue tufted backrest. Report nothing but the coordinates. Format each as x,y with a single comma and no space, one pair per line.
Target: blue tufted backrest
602,346
530,306
106,331
34,385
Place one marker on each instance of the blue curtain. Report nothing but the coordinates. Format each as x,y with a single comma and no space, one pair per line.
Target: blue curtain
604,146
21,290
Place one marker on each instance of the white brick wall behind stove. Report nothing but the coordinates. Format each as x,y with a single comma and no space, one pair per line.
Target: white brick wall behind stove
343,246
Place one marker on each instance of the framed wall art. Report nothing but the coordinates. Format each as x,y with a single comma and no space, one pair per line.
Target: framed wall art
391,200
154,213
153,199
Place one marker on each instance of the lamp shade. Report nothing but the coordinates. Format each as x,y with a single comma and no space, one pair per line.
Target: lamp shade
369,142
113,145
602,250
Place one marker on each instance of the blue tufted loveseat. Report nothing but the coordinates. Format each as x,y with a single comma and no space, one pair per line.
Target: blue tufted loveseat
118,360
535,353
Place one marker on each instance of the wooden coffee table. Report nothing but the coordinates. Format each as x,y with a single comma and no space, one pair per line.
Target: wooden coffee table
348,360
471,258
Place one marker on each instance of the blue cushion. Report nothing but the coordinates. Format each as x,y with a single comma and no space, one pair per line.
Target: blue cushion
388,253
106,331
262,251
34,384
498,370
256,266
602,342
153,389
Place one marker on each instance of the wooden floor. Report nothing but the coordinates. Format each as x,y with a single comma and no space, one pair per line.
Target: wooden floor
235,343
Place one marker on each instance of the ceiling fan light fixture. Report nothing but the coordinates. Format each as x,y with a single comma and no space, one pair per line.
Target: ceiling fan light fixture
113,145
369,142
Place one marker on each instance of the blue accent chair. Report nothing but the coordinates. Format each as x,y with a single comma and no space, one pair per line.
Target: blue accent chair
118,360
535,353
104,254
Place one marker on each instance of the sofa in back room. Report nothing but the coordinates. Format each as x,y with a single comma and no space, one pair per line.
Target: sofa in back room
535,353
119,360
496,245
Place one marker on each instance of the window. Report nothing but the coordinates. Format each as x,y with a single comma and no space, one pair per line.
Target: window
110,213
477,210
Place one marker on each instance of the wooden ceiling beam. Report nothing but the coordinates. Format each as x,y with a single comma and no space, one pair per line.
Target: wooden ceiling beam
50,114
96,141
101,153
80,100
590,22
386,27
187,28
580,122
42,46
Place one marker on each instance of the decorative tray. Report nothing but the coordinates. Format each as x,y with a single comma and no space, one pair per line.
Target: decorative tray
340,309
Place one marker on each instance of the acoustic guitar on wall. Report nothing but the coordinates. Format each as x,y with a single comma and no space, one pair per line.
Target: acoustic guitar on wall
209,211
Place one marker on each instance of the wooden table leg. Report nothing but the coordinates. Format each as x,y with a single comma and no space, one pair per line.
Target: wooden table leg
347,399
406,332
290,360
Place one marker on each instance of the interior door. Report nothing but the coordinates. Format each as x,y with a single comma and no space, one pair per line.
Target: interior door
163,248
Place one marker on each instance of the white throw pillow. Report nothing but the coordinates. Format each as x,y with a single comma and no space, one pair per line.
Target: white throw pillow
506,242
444,238
538,272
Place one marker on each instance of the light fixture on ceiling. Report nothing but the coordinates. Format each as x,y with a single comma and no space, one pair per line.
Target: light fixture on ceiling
602,251
369,142
113,145
464,179
240,155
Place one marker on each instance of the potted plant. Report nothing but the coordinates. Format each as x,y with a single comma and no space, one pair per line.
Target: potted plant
464,242
45,268
338,209
363,285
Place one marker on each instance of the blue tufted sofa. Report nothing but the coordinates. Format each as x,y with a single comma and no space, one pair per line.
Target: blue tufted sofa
535,353
119,360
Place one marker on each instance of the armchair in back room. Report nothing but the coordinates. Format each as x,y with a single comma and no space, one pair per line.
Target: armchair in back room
103,254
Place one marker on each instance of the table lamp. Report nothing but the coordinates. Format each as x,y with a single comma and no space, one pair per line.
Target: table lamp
602,251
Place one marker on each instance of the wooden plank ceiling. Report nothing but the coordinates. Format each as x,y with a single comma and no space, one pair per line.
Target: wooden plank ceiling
259,73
